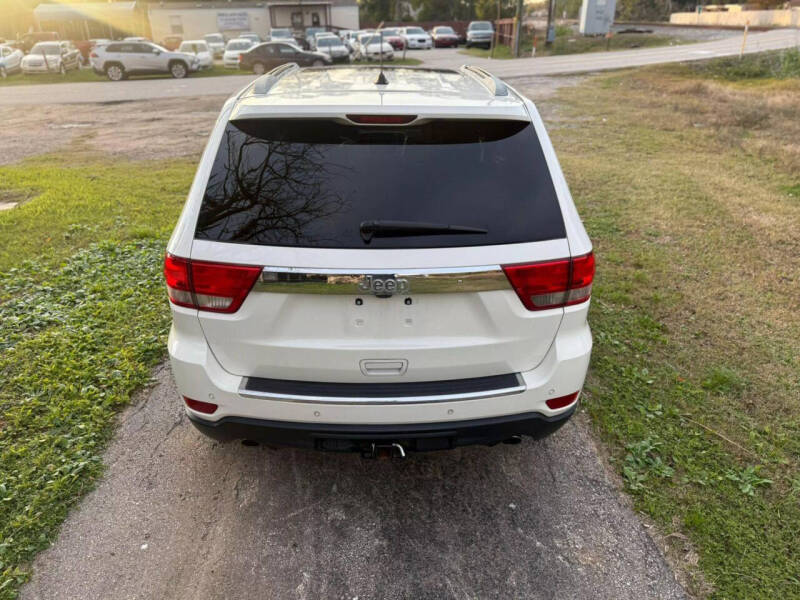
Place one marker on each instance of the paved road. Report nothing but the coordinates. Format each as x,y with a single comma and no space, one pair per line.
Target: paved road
181,517
104,91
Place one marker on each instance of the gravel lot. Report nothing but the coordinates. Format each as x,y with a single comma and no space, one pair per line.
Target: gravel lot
139,130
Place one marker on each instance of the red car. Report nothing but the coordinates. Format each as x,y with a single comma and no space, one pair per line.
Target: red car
394,38
444,37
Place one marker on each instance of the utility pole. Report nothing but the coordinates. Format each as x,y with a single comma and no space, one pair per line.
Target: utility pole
550,35
496,36
517,27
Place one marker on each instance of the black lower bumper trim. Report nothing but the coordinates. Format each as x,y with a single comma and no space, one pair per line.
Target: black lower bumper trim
356,438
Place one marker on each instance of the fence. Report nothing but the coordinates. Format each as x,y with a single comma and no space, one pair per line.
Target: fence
739,18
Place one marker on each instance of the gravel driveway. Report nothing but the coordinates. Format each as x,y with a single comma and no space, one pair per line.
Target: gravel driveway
181,517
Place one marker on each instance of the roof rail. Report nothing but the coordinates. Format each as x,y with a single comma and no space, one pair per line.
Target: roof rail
263,84
486,79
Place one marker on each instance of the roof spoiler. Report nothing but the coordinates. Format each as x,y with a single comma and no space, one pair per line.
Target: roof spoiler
486,79
263,84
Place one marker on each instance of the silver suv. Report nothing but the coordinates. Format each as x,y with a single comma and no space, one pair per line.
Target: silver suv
479,33
119,60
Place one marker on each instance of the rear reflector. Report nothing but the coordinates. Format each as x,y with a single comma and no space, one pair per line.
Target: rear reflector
208,408
382,119
554,283
214,287
562,401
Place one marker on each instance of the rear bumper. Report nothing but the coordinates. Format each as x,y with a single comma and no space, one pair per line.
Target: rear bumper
199,376
360,438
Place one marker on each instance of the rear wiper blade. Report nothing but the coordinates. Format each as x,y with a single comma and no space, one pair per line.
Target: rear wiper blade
371,229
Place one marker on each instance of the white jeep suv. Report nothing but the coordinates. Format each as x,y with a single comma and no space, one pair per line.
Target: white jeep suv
379,262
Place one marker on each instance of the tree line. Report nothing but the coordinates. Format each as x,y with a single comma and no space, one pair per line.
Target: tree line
375,11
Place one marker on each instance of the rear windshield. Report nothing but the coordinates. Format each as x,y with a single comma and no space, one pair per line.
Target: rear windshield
313,182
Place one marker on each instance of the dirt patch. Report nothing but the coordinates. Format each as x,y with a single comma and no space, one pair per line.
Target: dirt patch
12,198
138,130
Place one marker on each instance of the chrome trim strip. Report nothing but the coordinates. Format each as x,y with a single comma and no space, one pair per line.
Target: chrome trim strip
291,280
377,401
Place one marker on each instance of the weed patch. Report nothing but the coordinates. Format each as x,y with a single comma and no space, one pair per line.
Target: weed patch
781,64
73,351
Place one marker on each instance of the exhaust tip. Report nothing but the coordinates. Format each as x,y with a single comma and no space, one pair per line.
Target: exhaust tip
250,443
513,440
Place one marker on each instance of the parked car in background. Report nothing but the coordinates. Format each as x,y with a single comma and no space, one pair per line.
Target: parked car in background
310,33
480,33
394,36
253,37
216,44
320,35
371,47
281,35
416,37
172,42
29,40
200,49
10,60
267,56
51,57
235,48
320,300
444,37
135,38
333,47
349,38
119,60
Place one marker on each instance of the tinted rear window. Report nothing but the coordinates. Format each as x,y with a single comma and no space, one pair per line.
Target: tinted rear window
313,182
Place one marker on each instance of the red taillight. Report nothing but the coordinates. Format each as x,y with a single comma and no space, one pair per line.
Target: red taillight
562,401
382,119
214,287
208,408
553,283
93,54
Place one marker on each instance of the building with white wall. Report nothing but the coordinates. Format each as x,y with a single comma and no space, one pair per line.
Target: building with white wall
192,20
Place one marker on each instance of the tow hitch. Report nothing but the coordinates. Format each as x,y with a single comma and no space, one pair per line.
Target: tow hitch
393,450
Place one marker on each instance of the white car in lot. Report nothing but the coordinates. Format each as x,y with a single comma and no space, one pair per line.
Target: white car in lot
372,47
417,38
51,57
333,47
390,273
235,47
200,49
281,34
119,60
216,44
10,60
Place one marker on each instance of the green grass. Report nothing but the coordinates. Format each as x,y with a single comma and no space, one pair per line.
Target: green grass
84,75
83,319
568,43
780,64
69,208
694,379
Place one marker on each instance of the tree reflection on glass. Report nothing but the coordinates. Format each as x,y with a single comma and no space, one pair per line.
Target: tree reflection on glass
267,192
